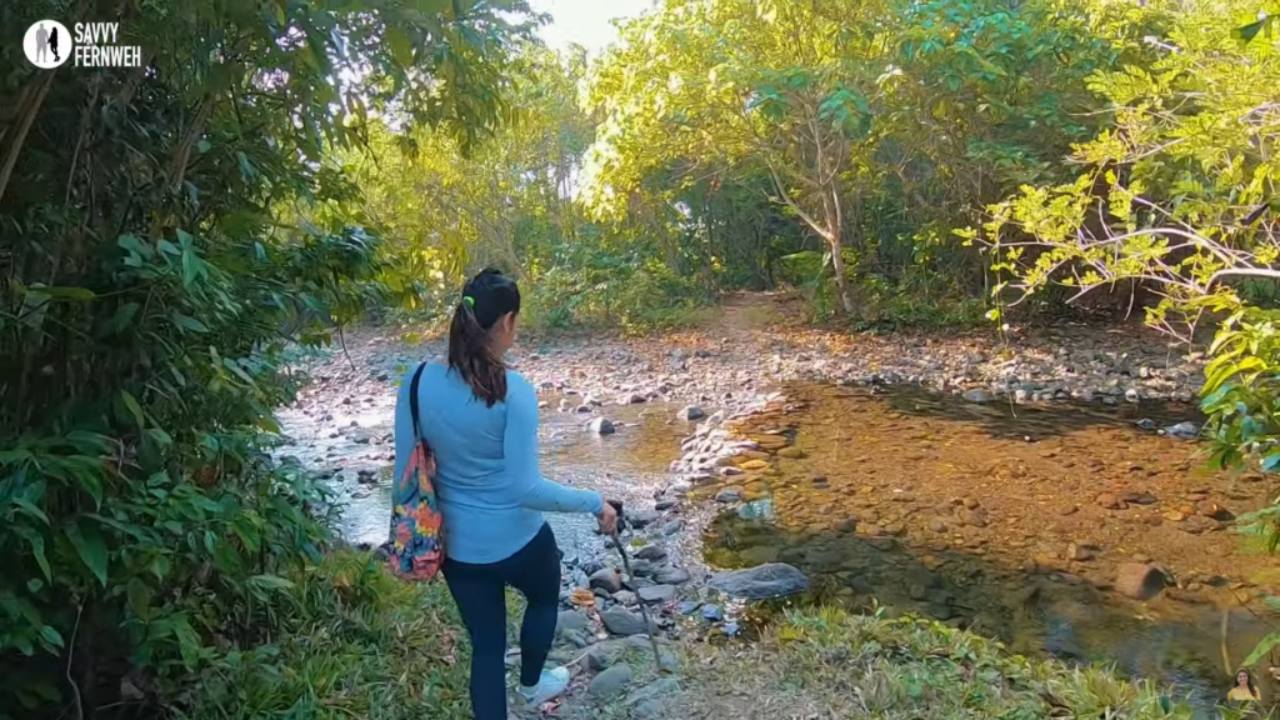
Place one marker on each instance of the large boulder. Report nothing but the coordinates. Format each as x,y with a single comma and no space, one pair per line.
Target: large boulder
1140,581
761,582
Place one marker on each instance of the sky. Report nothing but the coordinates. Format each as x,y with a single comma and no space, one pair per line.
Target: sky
585,22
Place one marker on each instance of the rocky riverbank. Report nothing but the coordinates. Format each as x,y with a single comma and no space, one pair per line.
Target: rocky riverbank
680,399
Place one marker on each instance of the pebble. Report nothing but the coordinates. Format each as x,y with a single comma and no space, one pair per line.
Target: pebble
691,413
733,493
602,426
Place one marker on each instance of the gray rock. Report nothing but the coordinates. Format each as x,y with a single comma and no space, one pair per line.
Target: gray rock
645,568
978,395
1140,581
651,552
625,597
733,493
620,621
1183,431
691,413
604,654
762,581
571,620
657,593
672,576
606,579
602,426
650,701
611,682
688,607
641,518
712,613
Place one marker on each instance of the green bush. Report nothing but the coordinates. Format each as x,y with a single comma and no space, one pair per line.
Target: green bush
351,641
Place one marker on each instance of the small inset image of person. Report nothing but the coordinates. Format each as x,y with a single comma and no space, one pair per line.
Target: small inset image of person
1245,690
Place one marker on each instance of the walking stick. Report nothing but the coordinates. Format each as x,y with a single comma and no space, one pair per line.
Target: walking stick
626,564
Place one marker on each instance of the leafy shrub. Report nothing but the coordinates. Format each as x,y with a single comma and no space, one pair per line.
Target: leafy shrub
349,640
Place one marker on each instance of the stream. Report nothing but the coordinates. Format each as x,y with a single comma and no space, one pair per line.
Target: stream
1009,521
1012,521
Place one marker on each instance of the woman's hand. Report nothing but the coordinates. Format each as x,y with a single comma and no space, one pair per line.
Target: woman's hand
608,518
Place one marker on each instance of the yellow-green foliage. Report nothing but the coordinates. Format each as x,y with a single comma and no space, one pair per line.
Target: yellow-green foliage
833,664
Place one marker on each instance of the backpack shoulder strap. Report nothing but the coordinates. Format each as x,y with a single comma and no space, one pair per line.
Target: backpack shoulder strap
413,401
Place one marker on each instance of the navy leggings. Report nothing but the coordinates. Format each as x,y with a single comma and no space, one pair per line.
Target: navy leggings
480,592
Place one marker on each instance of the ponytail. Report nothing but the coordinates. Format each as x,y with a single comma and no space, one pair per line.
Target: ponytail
488,297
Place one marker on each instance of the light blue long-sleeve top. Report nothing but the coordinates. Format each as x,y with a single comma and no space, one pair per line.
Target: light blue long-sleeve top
490,490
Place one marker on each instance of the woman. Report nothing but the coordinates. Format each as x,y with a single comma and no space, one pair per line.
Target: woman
481,422
1245,690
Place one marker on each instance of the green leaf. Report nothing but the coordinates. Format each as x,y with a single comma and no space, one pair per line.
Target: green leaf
190,323
139,595
131,404
270,582
1245,33
78,294
189,267
123,316
51,636
1260,651
401,46
87,539
1271,462
37,549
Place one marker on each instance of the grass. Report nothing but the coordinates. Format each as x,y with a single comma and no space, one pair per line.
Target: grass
349,641
826,663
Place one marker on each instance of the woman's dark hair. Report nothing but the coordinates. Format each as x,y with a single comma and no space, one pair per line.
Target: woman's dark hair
488,296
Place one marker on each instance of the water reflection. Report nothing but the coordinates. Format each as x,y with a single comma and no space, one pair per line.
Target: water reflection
1009,521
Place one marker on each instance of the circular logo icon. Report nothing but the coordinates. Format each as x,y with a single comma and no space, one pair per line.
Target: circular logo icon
47,44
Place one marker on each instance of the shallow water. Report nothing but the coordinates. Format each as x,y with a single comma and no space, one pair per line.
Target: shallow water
904,466
343,431
968,514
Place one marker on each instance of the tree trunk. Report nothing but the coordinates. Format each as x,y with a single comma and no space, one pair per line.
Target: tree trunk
842,282
835,241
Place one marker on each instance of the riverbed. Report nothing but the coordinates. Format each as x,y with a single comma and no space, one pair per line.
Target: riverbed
1010,517
1012,521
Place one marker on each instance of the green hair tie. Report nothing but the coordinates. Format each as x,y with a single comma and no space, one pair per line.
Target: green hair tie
469,301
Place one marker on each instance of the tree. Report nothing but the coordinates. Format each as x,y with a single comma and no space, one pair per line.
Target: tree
736,89
154,269
1179,193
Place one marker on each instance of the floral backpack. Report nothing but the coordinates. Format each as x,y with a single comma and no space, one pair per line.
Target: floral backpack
417,543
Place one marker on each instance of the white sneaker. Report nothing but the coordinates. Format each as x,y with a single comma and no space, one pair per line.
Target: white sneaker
550,685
